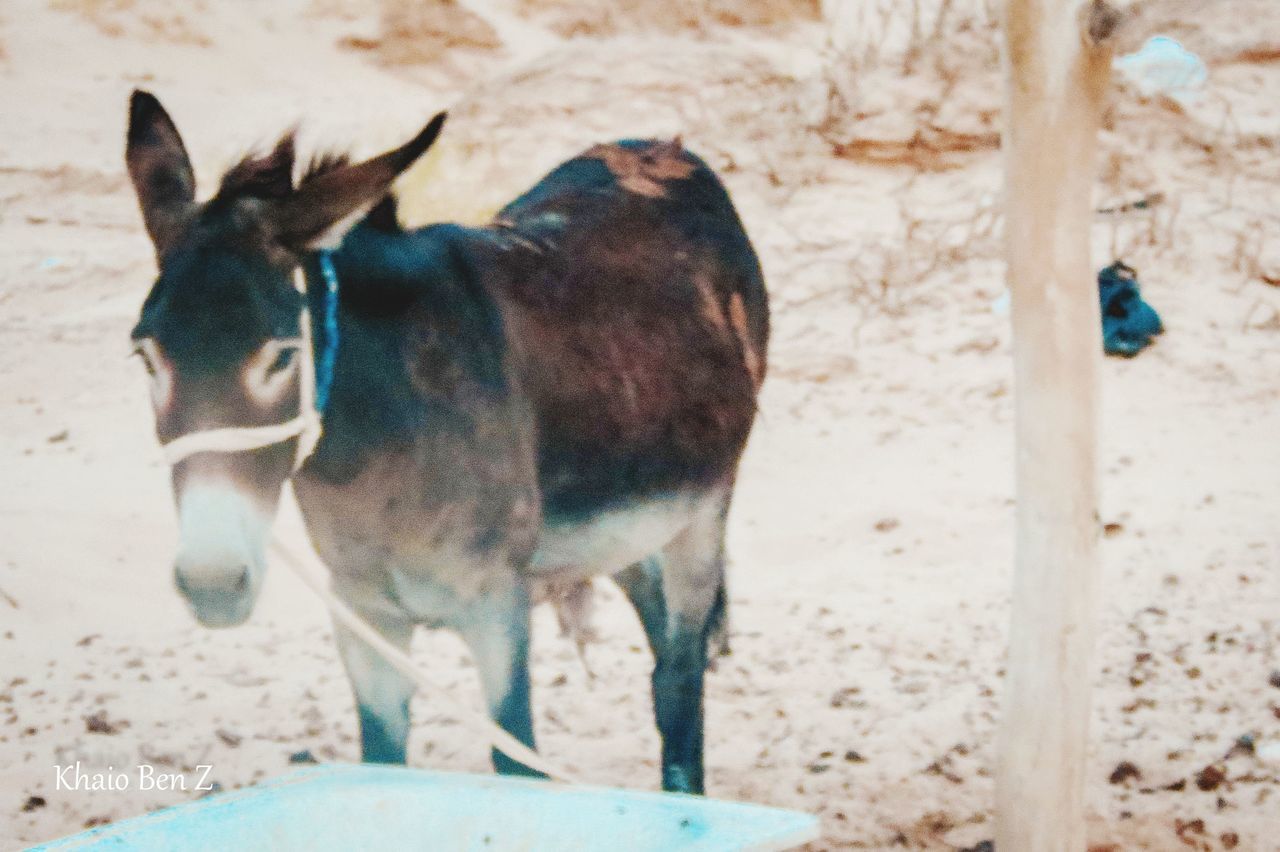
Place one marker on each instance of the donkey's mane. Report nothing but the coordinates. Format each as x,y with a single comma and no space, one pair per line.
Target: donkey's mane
323,163
266,176
270,175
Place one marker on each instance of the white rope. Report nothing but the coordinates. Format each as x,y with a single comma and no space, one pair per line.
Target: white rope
477,723
235,439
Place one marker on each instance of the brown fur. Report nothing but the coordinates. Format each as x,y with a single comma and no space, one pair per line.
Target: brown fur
645,172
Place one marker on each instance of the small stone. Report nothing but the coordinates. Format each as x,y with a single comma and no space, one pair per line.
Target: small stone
845,697
885,525
304,756
231,739
1184,827
98,723
1124,771
1210,778
1244,744
33,803
984,846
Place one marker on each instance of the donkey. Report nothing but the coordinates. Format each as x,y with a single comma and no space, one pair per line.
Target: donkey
565,392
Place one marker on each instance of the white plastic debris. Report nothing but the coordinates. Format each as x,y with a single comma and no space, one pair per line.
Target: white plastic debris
1269,752
1164,67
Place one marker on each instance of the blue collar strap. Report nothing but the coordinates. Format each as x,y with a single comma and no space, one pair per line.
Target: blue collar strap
327,355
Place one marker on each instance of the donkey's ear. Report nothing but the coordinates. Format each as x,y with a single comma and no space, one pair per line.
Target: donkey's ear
327,204
160,169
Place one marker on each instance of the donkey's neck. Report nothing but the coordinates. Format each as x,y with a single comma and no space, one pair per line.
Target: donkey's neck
421,343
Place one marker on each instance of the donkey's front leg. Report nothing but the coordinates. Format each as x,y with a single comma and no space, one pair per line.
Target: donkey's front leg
382,693
496,628
692,588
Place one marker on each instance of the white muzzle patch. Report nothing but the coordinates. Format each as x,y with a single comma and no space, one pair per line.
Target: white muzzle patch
221,555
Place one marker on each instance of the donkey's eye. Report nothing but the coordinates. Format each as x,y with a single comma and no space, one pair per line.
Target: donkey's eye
282,361
147,363
158,370
145,350
268,373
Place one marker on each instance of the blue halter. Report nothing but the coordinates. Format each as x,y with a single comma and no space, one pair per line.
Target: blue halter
328,354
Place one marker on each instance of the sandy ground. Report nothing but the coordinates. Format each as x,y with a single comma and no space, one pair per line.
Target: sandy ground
872,535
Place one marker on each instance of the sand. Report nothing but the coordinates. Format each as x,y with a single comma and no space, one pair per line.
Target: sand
871,537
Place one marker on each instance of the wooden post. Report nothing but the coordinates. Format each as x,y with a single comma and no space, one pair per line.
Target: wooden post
1057,70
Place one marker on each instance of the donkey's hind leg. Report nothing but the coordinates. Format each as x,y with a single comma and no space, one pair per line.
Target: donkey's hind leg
718,626
692,592
641,582
495,627
382,693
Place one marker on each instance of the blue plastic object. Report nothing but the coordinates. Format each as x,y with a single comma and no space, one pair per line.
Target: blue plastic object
1164,66
345,807
1128,323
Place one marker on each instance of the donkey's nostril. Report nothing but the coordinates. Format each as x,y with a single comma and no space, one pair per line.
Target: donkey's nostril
208,583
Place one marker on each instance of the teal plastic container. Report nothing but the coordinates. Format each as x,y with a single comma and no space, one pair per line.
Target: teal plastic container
352,807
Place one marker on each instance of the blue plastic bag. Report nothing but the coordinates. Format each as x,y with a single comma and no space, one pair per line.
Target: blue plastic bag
1128,323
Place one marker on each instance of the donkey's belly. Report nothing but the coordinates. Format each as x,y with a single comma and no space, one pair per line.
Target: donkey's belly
607,541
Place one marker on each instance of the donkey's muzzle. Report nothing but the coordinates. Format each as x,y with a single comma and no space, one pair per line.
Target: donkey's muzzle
219,564
219,595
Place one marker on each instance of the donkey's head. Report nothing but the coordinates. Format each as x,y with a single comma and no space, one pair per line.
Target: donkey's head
221,333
